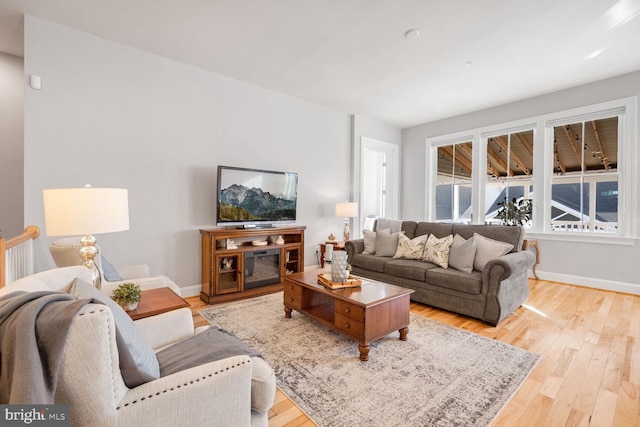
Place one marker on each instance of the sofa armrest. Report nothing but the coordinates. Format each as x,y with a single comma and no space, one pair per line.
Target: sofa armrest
506,265
167,328
133,271
177,399
353,247
505,284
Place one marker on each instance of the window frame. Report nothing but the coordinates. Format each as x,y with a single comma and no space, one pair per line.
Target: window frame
542,127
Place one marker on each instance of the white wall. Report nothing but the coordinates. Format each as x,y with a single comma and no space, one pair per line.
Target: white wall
114,116
11,148
607,266
364,127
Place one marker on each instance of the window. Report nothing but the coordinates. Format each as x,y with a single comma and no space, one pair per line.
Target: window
453,187
583,184
584,192
509,171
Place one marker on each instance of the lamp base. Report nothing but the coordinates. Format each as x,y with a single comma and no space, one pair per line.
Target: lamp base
88,251
346,233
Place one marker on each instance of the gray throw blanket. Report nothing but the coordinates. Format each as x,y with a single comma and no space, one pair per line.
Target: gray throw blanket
205,347
395,225
33,330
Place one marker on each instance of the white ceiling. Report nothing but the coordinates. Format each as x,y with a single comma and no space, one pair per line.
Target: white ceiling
352,56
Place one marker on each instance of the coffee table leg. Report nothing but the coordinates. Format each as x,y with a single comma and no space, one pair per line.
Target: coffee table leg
403,333
364,352
287,313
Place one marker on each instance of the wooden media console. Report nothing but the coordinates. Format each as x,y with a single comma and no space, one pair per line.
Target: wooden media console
231,273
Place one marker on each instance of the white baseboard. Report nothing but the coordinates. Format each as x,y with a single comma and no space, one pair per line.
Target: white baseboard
608,285
590,282
194,290
190,291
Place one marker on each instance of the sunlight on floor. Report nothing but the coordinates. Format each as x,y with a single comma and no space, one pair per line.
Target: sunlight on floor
535,310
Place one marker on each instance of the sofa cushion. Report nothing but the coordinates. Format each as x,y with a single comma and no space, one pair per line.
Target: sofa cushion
138,361
386,244
409,228
462,254
370,262
436,250
410,248
488,249
408,269
470,283
438,229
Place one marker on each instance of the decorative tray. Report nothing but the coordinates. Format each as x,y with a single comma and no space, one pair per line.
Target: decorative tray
325,280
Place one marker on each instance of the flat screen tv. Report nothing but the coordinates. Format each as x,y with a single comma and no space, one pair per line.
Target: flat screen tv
255,198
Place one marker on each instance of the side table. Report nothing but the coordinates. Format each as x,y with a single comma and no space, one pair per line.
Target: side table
337,246
529,244
157,301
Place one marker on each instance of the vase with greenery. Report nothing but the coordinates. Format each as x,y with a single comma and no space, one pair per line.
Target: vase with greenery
515,212
127,295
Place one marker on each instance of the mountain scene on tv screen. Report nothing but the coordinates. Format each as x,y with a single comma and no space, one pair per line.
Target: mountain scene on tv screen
239,203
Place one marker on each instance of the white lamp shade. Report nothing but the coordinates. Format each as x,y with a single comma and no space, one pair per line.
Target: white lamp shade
347,209
82,211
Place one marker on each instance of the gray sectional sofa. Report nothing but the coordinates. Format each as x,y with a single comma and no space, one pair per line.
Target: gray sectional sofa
490,295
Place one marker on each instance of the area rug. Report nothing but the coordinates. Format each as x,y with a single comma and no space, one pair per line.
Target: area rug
440,376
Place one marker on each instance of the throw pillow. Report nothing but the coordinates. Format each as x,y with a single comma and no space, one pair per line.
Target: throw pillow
138,361
437,250
488,249
386,243
369,242
410,248
462,254
110,273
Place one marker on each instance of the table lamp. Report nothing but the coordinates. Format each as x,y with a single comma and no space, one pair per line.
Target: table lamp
86,211
346,210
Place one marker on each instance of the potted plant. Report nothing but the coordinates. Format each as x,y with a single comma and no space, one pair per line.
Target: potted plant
127,295
515,212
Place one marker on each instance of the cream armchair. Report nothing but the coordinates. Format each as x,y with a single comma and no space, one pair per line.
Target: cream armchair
65,253
236,391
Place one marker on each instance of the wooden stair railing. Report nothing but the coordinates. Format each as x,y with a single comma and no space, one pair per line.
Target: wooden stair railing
11,257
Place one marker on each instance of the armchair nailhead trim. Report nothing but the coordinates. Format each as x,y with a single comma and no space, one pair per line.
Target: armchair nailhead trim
100,309
180,385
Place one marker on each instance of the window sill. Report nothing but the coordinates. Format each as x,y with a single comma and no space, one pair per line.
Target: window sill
582,238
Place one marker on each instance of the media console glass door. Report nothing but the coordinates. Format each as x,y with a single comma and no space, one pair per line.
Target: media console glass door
261,268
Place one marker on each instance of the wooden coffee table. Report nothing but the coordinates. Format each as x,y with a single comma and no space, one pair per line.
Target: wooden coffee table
157,301
364,314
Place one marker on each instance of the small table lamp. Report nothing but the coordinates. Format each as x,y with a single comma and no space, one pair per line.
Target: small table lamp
346,210
86,211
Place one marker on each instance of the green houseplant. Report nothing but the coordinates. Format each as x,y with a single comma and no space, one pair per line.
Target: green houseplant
127,295
515,212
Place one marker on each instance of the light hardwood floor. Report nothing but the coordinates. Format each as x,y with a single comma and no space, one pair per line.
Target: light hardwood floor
589,374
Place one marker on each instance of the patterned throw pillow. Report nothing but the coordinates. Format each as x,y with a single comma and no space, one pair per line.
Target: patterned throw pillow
437,250
411,248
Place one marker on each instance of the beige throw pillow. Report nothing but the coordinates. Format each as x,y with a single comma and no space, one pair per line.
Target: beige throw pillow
488,249
411,248
369,242
462,254
437,250
386,243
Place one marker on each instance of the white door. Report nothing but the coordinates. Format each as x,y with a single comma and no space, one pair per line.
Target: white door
379,179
